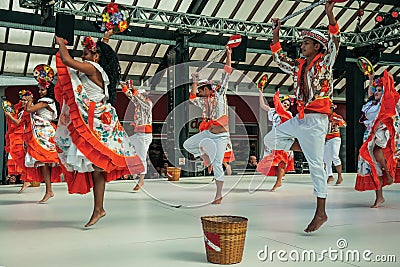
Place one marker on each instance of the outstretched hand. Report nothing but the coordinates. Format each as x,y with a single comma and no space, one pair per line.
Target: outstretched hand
329,7
276,25
60,40
195,76
228,50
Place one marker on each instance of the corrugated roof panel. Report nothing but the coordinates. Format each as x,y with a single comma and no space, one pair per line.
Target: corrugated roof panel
43,39
146,3
19,36
226,9
127,47
2,34
146,49
137,68
209,8
14,62
152,70
245,10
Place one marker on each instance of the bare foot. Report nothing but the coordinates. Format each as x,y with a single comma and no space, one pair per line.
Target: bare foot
24,186
217,200
96,216
330,179
276,185
339,180
46,197
316,223
138,186
378,201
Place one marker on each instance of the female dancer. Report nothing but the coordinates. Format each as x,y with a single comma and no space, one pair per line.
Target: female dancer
93,146
142,124
39,138
378,154
14,142
282,161
15,138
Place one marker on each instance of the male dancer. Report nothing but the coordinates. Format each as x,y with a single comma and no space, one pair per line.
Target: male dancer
332,146
313,83
211,143
142,124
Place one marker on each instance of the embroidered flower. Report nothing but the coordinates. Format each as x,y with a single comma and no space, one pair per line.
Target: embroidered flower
79,89
106,118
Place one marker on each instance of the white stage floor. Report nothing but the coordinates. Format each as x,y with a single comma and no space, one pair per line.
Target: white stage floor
140,229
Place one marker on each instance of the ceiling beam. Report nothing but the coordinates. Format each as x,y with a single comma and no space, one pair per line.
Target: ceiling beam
130,58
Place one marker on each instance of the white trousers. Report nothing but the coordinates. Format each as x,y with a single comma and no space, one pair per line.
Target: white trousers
310,132
331,154
213,145
141,142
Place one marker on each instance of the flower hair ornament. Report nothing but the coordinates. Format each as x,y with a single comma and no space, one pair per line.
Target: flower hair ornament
286,97
44,75
89,44
24,92
378,82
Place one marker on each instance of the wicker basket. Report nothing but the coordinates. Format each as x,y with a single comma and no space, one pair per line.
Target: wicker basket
224,238
173,173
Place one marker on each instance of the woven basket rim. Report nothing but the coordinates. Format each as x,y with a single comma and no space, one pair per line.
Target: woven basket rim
206,218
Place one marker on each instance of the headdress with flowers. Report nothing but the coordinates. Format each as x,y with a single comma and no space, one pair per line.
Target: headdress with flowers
89,44
115,17
378,82
44,75
286,97
24,92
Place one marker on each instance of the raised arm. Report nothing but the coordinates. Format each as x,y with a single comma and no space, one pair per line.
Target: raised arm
107,35
262,102
371,82
12,118
334,35
195,79
285,63
31,108
134,95
84,67
227,71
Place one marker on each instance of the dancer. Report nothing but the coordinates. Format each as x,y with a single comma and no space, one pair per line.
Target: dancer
379,152
313,85
142,124
277,162
93,145
332,146
14,141
17,123
39,138
211,143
